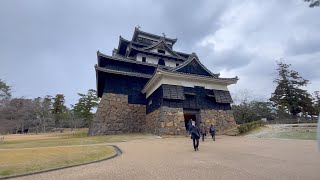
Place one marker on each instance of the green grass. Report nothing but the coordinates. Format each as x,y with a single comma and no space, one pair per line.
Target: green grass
291,134
21,161
288,134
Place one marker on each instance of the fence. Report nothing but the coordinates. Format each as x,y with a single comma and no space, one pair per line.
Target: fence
293,121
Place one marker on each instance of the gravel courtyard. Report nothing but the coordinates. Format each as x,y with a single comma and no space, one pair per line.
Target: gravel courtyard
227,158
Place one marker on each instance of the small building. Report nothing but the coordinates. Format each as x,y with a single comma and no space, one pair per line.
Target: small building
147,86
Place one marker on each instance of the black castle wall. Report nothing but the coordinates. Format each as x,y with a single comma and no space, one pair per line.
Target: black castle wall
156,98
127,67
131,86
200,100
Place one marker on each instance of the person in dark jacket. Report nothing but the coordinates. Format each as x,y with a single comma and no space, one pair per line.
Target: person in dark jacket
213,132
203,130
195,136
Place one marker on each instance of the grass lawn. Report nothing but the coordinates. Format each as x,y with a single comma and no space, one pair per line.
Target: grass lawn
20,161
291,134
63,139
25,153
299,131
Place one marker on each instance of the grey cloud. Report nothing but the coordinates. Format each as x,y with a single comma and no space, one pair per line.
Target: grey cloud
48,47
231,59
307,46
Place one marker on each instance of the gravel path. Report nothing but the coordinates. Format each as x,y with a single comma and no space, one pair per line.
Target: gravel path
227,158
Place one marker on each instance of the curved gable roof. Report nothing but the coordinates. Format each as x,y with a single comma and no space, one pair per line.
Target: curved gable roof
162,43
194,66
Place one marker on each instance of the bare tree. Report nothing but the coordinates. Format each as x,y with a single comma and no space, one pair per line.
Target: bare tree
248,107
16,111
73,120
40,116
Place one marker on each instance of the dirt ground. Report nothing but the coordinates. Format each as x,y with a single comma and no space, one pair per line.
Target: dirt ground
226,158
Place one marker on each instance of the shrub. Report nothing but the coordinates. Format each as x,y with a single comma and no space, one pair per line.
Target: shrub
243,128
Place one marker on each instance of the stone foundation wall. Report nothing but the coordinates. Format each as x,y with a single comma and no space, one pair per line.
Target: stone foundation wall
115,116
172,121
222,119
166,120
153,122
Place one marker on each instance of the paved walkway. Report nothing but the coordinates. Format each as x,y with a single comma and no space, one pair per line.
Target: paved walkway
227,158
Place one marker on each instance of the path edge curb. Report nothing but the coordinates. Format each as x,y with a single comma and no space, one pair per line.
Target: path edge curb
116,148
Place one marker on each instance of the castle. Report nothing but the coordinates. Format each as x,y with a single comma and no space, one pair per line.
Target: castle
147,86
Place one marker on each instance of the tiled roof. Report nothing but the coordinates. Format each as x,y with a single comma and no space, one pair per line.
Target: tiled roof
108,70
213,77
157,54
191,58
137,31
129,60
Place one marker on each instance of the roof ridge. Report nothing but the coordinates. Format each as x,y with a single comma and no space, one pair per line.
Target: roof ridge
139,49
125,59
137,30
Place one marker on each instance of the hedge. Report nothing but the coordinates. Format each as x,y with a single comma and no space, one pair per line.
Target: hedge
243,128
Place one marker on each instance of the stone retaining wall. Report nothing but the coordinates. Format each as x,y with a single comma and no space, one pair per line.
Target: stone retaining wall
115,116
172,121
222,119
166,120
152,122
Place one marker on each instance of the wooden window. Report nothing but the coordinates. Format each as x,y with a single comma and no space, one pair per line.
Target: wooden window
161,51
177,64
161,62
144,59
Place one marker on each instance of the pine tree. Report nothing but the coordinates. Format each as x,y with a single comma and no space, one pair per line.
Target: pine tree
58,109
85,105
288,95
5,90
313,3
316,102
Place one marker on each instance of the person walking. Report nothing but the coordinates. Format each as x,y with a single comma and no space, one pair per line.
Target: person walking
213,132
195,136
203,130
189,125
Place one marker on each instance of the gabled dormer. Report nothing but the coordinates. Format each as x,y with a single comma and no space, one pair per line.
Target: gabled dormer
161,47
194,66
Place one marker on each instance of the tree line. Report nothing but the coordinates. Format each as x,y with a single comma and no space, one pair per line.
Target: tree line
42,114
289,99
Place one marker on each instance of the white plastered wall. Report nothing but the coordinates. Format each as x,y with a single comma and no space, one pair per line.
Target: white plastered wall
180,81
154,60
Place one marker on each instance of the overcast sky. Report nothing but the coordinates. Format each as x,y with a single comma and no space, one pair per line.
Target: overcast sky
49,47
